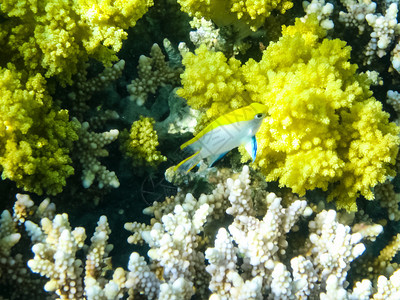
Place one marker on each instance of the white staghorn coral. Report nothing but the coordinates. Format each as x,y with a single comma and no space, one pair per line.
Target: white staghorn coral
249,258
153,72
88,148
356,12
385,28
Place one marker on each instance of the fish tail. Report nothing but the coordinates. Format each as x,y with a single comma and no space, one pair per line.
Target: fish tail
189,163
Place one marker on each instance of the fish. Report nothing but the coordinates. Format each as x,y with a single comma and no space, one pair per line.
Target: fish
231,130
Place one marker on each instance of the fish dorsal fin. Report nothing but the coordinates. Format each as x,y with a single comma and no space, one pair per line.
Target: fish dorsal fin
251,147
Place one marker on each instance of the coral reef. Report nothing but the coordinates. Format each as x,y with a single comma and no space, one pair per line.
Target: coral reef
35,137
326,71
55,37
140,144
356,13
153,72
322,10
233,12
88,148
384,30
325,135
211,80
84,88
250,258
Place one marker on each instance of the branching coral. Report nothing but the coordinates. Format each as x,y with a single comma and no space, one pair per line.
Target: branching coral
153,72
235,12
56,258
383,263
141,142
84,88
237,240
317,269
324,129
56,36
383,25
35,138
88,149
322,10
356,12
388,198
385,29
212,81
14,271
251,258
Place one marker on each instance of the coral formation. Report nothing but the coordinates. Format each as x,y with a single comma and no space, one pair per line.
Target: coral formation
233,12
393,98
84,88
356,12
331,120
153,72
55,37
212,81
217,233
14,272
206,33
89,147
384,30
140,144
383,263
322,10
251,258
324,128
387,197
35,137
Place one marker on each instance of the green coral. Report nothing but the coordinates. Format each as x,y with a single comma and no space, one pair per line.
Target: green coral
324,129
235,12
35,138
55,37
141,143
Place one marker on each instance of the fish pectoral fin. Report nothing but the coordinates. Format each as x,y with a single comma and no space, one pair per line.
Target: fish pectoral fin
188,163
251,147
214,158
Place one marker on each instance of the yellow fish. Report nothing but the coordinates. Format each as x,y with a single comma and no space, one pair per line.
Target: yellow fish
229,131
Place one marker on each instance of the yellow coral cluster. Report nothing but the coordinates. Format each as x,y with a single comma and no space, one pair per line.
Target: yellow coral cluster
141,142
383,263
35,138
324,130
54,37
235,12
108,19
212,81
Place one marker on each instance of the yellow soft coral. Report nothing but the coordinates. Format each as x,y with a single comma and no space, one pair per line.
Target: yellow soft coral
54,37
235,12
35,138
324,130
97,15
213,81
141,142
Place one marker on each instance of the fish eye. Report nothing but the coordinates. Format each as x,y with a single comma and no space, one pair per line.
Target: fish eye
259,116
